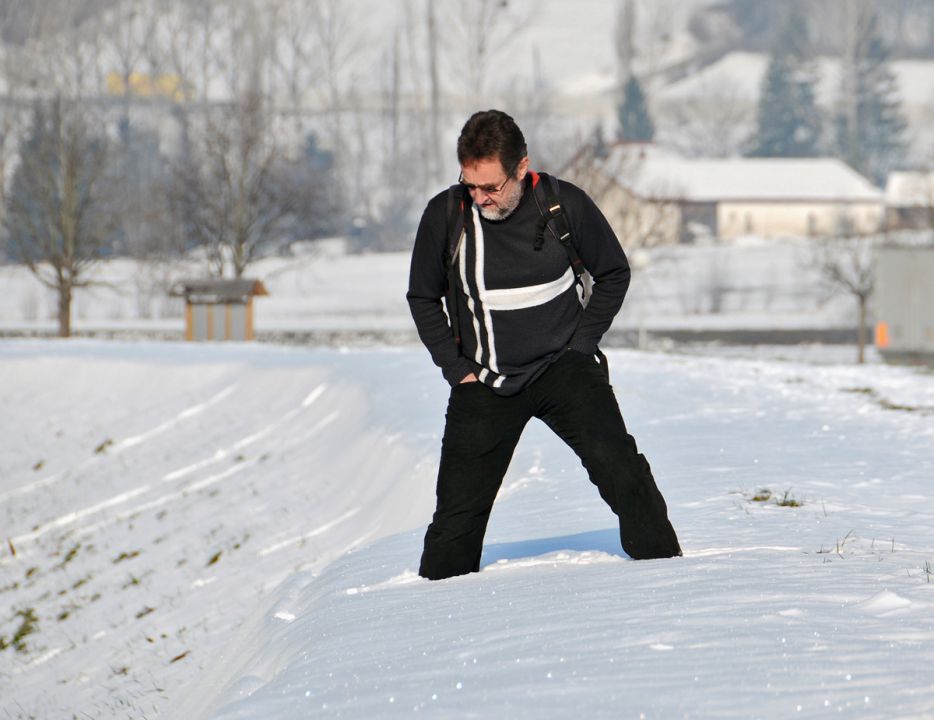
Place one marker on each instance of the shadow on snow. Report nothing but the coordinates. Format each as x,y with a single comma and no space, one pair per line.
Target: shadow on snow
606,541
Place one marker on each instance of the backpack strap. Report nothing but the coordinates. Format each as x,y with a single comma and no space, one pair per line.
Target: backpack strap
554,219
455,235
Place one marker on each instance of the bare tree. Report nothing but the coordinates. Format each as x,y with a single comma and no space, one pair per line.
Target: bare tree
608,175
16,79
847,264
624,41
126,30
716,123
531,105
435,85
189,44
483,31
338,46
294,59
59,215
399,140
230,189
653,36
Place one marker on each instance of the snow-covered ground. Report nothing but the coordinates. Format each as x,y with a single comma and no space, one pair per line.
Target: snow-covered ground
219,531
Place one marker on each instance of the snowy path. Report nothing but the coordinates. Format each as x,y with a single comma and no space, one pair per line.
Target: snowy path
283,459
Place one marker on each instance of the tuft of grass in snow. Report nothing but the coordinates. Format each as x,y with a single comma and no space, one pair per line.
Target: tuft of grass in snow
80,583
764,495
102,448
886,404
70,555
126,556
29,625
214,558
67,611
133,581
788,500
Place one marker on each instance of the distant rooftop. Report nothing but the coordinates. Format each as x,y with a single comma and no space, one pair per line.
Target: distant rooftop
666,177
910,189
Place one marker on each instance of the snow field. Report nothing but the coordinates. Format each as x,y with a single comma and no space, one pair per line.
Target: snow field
822,609
140,493
277,497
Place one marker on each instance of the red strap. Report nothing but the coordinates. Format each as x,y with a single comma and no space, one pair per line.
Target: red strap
534,177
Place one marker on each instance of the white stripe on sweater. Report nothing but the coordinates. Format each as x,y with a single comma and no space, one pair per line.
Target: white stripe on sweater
526,297
481,289
462,266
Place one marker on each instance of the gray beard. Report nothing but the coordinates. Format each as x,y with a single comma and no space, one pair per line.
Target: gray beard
510,203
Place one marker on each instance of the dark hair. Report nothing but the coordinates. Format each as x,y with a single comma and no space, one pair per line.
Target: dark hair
491,134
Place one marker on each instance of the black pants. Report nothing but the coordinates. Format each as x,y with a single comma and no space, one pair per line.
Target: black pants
575,399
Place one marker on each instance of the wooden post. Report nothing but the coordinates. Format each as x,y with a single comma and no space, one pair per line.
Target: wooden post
189,322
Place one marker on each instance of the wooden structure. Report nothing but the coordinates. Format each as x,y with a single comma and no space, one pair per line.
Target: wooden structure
218,309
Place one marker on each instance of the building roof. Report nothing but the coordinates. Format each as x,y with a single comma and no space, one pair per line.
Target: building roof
216,290
664,177
910,189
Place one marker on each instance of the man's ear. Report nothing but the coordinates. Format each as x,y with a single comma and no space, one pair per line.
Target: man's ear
522,168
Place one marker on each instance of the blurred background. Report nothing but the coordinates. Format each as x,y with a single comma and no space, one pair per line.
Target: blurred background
767,166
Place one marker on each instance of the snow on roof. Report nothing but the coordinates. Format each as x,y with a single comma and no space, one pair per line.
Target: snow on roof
770,179
910,189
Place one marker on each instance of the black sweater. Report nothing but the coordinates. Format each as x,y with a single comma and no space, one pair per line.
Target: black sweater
518,308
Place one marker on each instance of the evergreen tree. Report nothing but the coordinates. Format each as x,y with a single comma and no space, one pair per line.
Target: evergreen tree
635,123
870,124
788,120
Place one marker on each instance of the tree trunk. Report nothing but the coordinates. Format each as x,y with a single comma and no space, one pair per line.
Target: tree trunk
851,150
64,310
861,333
435,93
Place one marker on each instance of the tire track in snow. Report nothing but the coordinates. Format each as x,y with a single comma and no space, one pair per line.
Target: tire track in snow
122,445
305,536
73,517
244,442
197,485
193,411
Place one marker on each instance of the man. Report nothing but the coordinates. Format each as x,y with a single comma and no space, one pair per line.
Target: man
526,347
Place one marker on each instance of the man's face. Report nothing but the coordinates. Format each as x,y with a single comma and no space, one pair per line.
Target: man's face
496,193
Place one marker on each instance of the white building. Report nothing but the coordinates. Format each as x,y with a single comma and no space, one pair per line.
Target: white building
652,197
909,200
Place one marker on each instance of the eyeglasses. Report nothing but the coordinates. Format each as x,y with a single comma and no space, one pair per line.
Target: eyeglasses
486,189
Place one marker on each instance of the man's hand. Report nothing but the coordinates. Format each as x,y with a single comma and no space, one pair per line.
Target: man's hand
469,379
